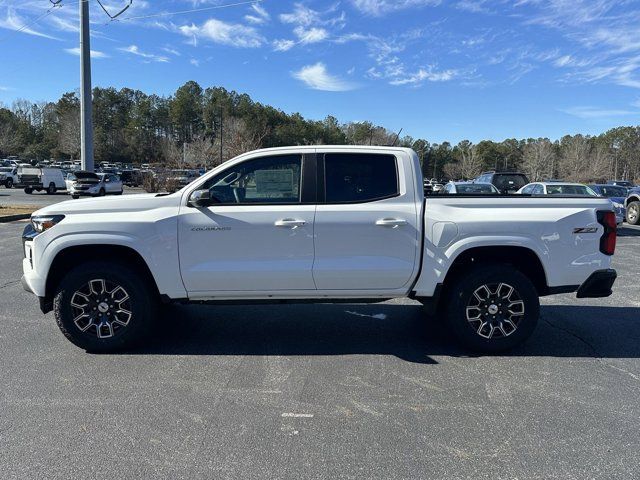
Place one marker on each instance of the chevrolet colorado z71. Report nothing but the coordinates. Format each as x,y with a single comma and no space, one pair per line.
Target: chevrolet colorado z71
319,224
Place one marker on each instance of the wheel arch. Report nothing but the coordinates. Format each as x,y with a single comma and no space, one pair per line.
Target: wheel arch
631,198
522,258
72,256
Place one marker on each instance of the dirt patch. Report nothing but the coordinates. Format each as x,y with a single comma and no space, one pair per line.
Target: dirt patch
6,210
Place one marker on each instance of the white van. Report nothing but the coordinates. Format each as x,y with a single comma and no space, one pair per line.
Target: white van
38,179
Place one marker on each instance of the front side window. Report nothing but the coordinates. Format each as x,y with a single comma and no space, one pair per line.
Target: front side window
359,177
272,180
538,190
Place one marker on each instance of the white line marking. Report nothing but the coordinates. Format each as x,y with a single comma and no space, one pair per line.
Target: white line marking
298,415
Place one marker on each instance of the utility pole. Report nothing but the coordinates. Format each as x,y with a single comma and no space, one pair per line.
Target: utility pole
221,136
86,121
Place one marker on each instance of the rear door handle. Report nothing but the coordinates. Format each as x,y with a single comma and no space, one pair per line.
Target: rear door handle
290,223
391,222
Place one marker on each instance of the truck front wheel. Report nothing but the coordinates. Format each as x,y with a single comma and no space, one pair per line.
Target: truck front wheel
492,308
103,307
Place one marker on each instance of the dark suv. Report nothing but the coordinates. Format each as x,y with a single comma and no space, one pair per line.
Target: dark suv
506,182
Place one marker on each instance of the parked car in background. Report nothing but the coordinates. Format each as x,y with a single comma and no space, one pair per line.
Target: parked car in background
632,206
622,183
617,194
557,188
38,179
131,178
8,176
505,182
469,188
183,177
89,184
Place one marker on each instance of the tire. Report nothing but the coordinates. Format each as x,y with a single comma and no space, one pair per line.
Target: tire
94,323
481,292
102,193
633,213
28,191
9,183
51,189
75,197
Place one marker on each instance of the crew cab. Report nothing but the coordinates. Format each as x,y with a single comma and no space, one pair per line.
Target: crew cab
316,224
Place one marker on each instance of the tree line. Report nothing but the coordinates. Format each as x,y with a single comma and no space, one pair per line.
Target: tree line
204,127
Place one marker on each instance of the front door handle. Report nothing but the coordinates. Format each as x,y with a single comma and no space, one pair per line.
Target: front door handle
391,222
290,223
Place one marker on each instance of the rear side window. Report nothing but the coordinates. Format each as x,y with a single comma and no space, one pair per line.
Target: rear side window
355,177
511,182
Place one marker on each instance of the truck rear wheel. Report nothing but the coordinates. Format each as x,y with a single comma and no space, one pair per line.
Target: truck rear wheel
492,308
51,190
9,183
28,190
103,307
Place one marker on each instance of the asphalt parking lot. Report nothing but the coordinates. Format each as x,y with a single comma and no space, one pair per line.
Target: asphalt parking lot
332,391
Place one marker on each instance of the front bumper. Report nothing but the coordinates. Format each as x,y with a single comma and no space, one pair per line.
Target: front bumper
83,193
598,284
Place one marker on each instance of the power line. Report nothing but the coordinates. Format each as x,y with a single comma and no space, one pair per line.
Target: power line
30,24
182,12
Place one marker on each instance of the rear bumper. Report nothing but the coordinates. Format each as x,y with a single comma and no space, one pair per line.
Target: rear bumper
598,284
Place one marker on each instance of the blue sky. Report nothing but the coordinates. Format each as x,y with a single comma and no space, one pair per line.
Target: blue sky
441,70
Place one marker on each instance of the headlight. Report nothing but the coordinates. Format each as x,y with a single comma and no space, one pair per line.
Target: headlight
45,222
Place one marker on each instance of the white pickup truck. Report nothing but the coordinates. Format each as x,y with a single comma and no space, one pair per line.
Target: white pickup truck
316,224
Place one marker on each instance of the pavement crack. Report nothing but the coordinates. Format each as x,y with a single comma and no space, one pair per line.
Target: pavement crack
594,351
9,284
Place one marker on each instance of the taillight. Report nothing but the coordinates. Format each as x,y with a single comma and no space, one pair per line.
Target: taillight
608,239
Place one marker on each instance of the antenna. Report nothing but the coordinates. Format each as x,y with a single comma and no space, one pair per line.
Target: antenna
396,140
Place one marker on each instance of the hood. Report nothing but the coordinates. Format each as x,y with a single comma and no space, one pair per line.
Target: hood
116,204
617,200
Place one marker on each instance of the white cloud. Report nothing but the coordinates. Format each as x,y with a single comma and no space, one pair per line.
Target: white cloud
135,50
194,62
312,35
301,15
316,77
422,75
258,16
94,53
12,21
588,113
232,34
283,45
64,24
380,7
172,51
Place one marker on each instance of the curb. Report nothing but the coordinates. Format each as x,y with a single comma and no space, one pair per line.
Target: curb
13,218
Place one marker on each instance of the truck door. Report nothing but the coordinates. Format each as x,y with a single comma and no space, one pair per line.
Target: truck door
257,234
367,231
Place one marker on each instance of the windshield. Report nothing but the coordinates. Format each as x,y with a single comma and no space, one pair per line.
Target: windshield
476,188
510,181
570,190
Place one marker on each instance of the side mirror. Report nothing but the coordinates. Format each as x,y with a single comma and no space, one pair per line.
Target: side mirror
200,198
